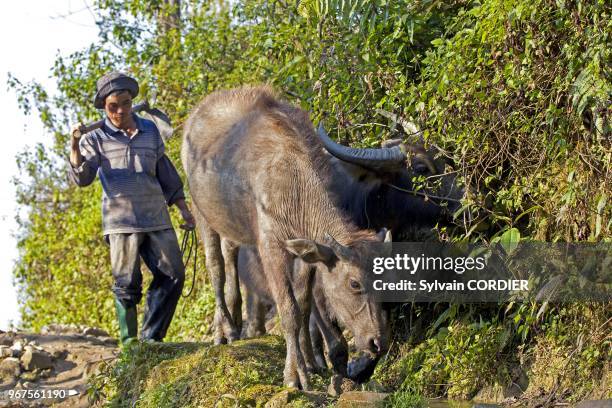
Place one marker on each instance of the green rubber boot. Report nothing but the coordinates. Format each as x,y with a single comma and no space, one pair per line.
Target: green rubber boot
128,322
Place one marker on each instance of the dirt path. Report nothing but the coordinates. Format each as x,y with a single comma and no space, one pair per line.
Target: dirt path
59,359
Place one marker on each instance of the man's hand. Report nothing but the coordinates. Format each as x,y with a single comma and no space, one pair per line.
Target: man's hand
77,131
75,153
188,217
189,220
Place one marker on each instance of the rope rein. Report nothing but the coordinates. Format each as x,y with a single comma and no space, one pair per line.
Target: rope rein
188,244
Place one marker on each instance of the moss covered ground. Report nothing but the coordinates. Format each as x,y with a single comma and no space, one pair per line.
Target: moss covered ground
245,373
567,360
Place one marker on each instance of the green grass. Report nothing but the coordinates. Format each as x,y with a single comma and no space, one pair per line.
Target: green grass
245,373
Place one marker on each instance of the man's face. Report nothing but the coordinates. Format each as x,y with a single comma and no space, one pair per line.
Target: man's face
118,108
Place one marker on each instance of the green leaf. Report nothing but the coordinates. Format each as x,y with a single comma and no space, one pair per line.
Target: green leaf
510,239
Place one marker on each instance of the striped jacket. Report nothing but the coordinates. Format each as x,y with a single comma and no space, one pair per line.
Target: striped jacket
138,180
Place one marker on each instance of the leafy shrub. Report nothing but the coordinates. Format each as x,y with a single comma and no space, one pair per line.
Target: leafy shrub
516,93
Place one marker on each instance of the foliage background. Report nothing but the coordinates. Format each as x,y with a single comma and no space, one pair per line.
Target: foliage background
517,91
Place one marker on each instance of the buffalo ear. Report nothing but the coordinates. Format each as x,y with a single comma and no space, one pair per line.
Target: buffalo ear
311,252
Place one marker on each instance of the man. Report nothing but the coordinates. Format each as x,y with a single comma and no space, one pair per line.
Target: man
139,183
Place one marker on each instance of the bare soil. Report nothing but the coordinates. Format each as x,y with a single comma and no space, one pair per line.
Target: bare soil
76,354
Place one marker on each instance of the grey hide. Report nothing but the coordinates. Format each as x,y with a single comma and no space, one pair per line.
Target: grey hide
259,176
366,196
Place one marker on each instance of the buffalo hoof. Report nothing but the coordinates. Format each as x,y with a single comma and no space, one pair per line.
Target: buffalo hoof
300,382
361,369
250,333
233,337
223,339
219,340
294,383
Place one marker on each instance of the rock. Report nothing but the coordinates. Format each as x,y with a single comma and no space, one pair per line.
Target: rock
60,329
281,399
46,373
17,349
5,351
6,339
34,359
109,341
340,384
10,370
362,399
94,331
30,376
607,403
60,354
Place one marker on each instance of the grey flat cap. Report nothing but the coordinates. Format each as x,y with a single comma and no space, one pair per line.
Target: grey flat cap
111,82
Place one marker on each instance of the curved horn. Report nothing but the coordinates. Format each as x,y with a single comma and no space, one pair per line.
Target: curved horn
340,250
392,158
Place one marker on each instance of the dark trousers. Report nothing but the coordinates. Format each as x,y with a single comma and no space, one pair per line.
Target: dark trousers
161,253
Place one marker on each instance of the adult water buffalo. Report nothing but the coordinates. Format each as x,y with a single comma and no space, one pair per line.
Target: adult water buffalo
371,193
259,176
